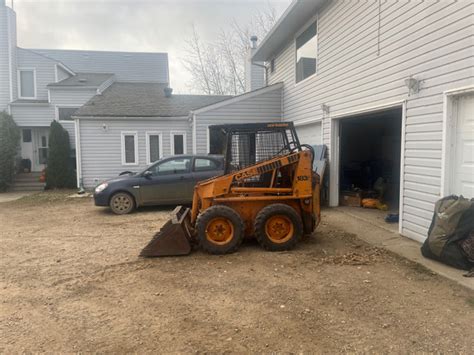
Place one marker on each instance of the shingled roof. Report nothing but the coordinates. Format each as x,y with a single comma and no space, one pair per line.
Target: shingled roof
83,80
143,100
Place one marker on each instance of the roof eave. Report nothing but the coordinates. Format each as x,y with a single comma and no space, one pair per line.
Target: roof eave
295,16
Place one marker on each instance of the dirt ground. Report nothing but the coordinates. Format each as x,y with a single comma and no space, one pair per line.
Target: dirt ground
71,281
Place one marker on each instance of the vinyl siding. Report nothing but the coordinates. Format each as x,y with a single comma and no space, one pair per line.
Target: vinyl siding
62,74
33,115
45,70
7,54
138,67
70,97
101,150
265,107
429,40
4,61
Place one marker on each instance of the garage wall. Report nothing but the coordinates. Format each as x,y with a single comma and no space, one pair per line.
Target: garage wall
101,149
310,133
363,66
262,105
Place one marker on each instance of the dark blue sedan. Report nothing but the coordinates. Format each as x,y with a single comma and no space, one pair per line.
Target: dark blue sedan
169,181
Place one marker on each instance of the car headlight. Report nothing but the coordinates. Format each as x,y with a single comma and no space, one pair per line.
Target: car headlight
101,187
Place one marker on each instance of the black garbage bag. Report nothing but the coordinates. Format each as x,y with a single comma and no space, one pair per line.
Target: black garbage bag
452,223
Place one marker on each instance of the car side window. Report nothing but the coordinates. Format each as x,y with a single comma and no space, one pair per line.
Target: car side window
203,164
172,166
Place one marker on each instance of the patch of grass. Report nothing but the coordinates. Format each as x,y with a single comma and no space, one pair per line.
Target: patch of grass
470,301
46,197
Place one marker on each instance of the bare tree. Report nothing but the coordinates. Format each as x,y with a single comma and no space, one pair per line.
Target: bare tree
218,68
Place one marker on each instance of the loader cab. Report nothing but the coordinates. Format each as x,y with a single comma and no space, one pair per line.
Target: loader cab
248,144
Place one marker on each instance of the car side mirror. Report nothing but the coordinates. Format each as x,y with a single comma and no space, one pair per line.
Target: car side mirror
147,174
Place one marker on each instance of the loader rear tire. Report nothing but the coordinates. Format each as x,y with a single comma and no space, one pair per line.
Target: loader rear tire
278,227
220,230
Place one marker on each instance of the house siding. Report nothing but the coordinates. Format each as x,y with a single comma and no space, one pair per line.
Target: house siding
357,69
101,149
33,115
7,56
265,107
45,70
62,74
70,97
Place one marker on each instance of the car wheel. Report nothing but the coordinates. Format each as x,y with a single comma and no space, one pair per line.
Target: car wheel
122,203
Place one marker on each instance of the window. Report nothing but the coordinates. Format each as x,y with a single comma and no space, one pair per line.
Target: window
203,164
178,143
216,140
26,135
26,84
172,166
129,148
153,146
65,113
306,52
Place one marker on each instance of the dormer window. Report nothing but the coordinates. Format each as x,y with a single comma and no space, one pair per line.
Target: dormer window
27,83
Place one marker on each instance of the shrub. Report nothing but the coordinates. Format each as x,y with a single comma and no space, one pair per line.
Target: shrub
9,144
59,173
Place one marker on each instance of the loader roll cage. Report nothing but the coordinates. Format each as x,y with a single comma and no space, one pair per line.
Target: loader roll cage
249,144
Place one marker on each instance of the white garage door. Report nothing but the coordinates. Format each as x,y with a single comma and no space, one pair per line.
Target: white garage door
463,172
310,133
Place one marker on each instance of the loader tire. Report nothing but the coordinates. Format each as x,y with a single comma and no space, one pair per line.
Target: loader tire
278,227
220,230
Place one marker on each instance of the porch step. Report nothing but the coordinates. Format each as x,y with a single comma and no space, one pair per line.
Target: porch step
27,182
16,188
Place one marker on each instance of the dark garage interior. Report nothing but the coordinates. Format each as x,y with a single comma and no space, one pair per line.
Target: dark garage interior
370,160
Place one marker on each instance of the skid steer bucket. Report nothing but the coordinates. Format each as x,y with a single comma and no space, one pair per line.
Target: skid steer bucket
173,238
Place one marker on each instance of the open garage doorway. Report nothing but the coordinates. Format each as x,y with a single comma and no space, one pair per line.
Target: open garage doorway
369,163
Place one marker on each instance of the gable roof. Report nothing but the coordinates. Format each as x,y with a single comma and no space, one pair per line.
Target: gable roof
296,15
93,80
143,100
127,66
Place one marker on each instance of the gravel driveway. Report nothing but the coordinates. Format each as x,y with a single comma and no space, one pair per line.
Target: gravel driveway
71,281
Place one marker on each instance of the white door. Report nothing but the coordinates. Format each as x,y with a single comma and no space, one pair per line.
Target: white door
462,179
27,151
310,133
40,143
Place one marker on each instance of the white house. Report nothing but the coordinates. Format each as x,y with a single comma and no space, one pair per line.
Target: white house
382,81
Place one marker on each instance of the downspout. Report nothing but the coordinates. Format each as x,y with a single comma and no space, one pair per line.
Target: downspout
193,115
80,184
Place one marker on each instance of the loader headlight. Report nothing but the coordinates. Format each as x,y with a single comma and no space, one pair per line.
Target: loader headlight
101,187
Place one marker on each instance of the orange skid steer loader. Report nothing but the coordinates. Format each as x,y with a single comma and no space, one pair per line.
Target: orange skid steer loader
269,191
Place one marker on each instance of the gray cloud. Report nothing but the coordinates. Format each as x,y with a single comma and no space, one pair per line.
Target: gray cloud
130,25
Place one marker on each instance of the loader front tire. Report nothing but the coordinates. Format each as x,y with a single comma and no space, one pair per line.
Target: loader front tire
278,227
220,230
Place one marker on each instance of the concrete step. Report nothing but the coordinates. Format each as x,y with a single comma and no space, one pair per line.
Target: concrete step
28,188
26,179
28,184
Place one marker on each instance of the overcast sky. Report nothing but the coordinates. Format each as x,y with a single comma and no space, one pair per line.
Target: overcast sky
130,25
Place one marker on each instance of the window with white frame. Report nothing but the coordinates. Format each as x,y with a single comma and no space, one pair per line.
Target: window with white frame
306,52
26,83
153,146
65,113
129,148
178,143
